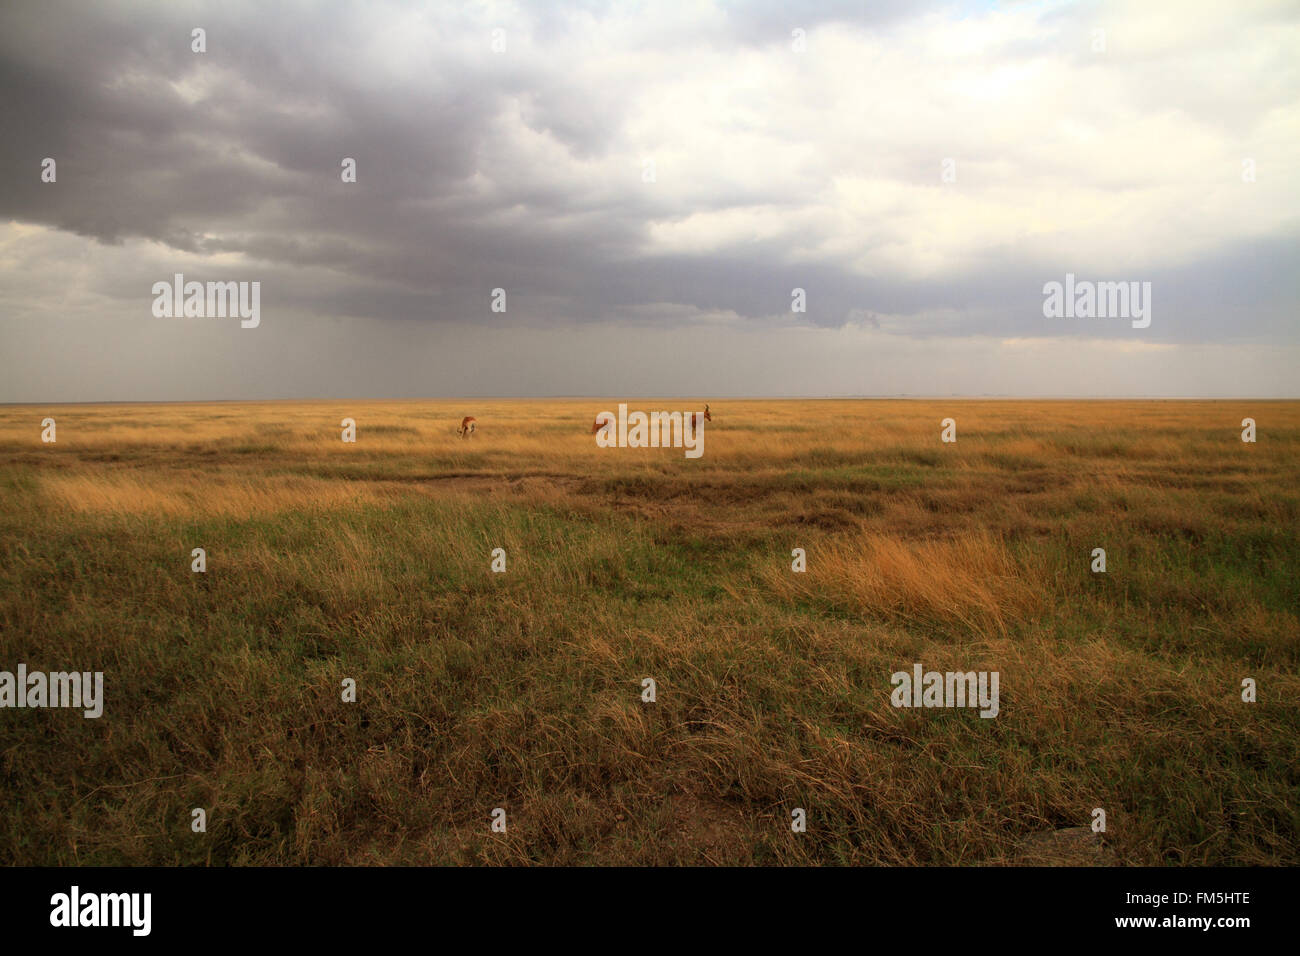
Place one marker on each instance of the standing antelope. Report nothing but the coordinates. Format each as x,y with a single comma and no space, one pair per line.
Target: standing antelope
467,426
695,419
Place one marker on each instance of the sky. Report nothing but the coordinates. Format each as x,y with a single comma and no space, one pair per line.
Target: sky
648,184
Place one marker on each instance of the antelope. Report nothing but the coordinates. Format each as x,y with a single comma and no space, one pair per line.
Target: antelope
467,426
696,418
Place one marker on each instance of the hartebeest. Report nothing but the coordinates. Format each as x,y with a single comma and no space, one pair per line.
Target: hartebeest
467,426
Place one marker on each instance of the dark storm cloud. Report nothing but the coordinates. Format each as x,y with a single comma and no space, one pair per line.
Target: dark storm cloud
522,170
137,160
255,162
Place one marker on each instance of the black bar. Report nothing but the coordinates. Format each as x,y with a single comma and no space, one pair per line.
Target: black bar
629,906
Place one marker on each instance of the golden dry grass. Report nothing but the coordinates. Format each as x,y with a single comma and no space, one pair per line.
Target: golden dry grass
970,579
523,689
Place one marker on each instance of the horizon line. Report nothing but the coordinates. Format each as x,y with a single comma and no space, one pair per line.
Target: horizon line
902,396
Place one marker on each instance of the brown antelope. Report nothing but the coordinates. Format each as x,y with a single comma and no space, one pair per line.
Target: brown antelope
467,426
698,417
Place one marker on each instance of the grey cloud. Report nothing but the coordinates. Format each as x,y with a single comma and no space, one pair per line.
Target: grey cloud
252,168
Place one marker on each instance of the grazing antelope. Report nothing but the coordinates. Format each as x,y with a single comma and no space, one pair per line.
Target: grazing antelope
467,426
658,429
696,418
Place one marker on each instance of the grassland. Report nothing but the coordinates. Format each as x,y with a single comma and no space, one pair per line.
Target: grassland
522,690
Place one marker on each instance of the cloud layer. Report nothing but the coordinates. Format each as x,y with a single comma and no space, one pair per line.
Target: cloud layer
919,170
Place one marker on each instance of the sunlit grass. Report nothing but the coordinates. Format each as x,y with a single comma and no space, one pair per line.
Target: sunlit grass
523,690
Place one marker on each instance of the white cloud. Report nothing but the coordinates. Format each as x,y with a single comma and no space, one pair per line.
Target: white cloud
523,170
